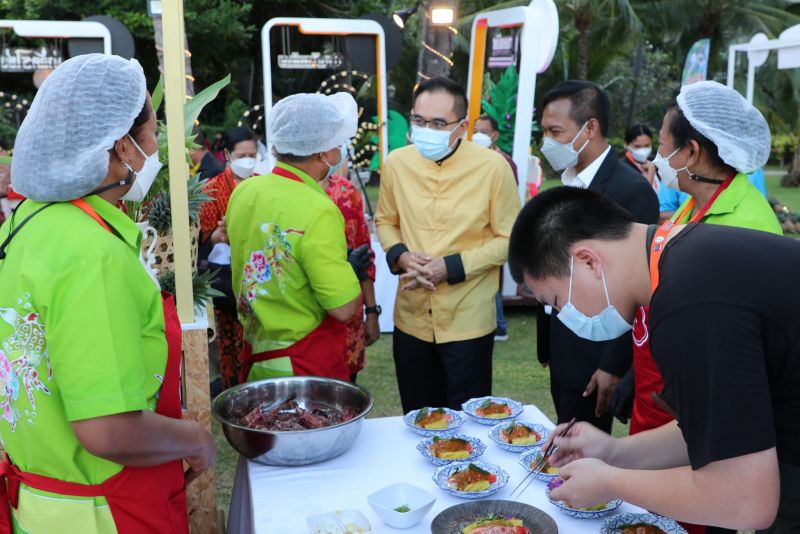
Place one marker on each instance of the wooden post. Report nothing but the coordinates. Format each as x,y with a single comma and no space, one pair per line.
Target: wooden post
200,497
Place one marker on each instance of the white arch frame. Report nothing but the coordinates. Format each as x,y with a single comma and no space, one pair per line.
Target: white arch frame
758,50
319,26
60,29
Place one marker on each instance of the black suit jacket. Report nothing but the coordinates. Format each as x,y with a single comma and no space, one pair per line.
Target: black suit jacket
572,359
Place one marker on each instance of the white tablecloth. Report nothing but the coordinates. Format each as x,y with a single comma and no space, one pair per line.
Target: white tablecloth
272,500
385,287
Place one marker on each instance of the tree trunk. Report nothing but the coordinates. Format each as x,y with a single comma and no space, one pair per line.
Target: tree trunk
792,176
637,71
583,54
159,38
435,59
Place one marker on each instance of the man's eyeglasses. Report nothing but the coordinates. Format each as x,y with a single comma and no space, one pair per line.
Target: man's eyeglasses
435,124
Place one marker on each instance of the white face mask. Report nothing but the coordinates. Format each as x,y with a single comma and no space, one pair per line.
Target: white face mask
243,167
562,155
668,175
332,168
482,139
605,326
144,177
432,144
640,154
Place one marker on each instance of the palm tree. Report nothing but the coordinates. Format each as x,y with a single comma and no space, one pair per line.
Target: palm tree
727,22
604,22
679,23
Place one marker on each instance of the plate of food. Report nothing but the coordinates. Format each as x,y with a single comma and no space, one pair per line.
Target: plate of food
493,517
447,449
640,524
592,512
492,410
531,458
430,422
518,436
470,480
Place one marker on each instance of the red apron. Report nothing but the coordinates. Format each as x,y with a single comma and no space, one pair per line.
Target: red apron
142,499
648,381
322,352
647,414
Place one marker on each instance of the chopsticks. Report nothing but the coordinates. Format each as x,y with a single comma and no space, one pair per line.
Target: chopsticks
540,465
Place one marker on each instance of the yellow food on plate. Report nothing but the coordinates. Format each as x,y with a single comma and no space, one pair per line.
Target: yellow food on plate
547,469
519,434
437,419
450,448
496,521
493,410
471,479
481,485
452,455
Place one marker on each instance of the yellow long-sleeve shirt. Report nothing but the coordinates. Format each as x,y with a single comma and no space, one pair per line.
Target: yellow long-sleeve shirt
462,209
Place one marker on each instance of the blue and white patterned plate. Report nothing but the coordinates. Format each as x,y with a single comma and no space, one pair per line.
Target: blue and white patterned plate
533,456
613,525
478,448
455,423
584,514
471,406
494,435
441,475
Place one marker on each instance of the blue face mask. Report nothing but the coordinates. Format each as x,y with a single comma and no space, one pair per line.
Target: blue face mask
432,144
607,325
342,156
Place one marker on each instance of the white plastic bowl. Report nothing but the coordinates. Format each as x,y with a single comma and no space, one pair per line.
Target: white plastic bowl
383,502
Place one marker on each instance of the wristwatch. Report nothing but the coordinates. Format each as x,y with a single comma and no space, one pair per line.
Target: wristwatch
377,310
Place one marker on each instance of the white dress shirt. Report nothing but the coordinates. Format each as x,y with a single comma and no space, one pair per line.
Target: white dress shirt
584,178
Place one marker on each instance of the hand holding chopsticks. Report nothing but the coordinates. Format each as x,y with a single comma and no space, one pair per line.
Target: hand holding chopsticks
551,448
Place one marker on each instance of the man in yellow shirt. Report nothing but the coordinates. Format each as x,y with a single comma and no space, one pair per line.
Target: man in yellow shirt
445,213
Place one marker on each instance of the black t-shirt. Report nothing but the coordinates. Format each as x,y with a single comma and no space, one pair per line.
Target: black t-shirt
725,333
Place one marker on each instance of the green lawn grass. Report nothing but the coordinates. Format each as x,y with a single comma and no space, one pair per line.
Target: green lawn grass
789,196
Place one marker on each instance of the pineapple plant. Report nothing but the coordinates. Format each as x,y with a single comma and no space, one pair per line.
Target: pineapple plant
201,286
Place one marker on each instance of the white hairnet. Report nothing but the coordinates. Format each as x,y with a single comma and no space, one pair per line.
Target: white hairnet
307,123
87,103
721,114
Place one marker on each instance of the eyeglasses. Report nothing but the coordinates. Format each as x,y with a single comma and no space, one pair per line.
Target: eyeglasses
436,124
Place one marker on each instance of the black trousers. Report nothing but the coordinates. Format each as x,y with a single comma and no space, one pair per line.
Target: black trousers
571,403
442,374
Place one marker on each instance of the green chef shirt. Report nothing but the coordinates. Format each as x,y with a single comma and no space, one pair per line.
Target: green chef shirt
288,261
741,205
81,336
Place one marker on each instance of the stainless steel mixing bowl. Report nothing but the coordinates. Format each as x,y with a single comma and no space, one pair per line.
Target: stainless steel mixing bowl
293,447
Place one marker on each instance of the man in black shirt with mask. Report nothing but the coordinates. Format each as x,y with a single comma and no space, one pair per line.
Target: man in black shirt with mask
725,333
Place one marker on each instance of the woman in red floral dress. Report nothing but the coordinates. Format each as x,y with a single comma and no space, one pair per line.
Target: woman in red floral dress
240,159
361,332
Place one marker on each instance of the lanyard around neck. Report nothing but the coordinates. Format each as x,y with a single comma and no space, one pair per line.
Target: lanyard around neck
660,238
702,213
280,171
78,202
